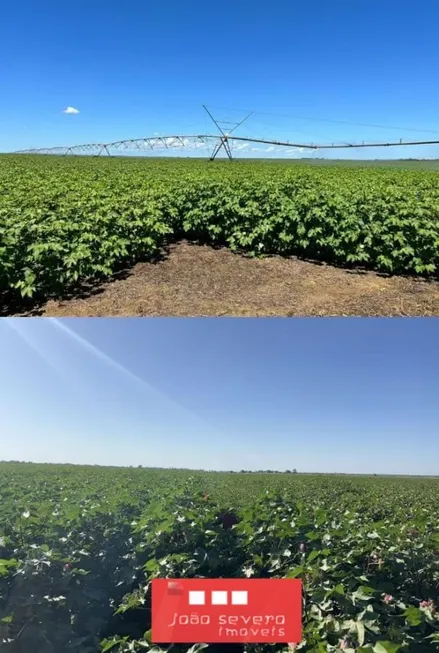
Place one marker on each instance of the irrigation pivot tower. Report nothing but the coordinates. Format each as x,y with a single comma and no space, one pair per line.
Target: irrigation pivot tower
224,139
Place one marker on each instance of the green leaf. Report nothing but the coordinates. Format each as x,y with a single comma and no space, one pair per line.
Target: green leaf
414,616
108,645
313,555
294,573
361,632
197,647
386,647
6,620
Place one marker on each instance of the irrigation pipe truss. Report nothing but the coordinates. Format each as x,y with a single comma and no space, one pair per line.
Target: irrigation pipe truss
197,141
221,141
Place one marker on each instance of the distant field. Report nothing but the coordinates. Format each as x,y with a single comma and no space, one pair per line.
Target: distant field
405,164
79,546
65,220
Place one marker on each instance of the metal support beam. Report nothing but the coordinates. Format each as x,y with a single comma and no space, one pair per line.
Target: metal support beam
223,141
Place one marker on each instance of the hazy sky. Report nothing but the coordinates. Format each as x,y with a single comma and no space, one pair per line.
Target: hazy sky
136,68
332,395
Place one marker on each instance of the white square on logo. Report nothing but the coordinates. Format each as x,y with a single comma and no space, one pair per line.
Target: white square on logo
219,598
239,598
197,598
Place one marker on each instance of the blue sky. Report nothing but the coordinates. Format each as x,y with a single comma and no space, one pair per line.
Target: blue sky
329,395
137,68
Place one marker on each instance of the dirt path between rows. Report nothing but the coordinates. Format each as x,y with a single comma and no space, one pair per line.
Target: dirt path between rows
197,280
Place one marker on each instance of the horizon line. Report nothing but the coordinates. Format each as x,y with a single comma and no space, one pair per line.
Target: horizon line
220,471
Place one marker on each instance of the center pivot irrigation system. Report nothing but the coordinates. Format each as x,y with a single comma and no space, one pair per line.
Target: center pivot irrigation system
220,141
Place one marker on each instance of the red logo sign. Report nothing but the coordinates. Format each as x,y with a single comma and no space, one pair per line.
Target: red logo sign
235,610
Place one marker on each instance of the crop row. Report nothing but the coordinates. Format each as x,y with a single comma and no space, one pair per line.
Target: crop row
80,546
64,221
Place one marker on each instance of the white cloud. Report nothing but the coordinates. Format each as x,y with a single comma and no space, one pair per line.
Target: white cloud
71,110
